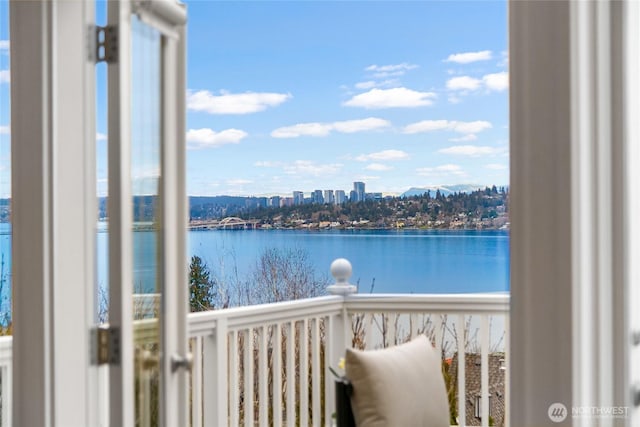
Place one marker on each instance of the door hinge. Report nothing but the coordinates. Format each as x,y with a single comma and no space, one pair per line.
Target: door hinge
105,345
106,46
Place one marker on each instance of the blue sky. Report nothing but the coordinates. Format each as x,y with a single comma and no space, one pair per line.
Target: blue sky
311,95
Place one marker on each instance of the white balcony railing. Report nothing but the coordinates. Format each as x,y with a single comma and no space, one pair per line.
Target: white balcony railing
239,377
268,365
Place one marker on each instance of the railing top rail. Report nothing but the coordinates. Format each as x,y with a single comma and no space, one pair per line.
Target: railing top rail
485,303
204,323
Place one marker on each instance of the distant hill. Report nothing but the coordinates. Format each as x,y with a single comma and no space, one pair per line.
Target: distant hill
444,189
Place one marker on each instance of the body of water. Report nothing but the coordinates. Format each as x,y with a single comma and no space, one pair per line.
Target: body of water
404,261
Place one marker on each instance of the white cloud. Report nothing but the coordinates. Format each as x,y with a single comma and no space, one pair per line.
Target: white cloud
378,167
463,83
456,126
208,138
385,155
234,103
5,76
307,167
392,70
491,82
471,127
399,97
497,81
352,126
101,136
427,126
468,57
5,130
496,166
302,129
472,150
267,164
370,84
441,171
323,129
4,44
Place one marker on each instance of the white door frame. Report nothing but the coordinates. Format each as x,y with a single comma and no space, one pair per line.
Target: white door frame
53,213
572,225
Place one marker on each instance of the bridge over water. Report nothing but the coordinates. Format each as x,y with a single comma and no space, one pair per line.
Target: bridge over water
228,223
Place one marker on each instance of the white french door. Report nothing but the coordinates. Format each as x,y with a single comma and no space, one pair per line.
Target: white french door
145,49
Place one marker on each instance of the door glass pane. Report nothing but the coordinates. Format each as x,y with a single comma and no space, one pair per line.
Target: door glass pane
145,175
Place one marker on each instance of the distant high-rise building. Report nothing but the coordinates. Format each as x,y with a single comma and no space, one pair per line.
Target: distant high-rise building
353,196
287,201
261,202
358,187
274,201
328,196
298,198
317,197
340,197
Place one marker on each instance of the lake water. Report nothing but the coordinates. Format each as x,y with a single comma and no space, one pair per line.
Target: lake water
405,261
400,261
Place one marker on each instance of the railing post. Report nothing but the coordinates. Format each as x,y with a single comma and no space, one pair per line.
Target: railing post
215,377
338,338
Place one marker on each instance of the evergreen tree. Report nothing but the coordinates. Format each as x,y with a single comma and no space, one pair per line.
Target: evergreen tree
201,286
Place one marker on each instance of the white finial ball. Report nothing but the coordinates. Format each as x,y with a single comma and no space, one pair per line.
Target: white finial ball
341,270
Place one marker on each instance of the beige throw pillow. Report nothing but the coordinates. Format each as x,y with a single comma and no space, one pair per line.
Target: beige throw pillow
400,386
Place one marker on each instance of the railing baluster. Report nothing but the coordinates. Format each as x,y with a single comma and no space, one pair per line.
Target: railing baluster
291,376
7,403
215,376
413,325
484,369
196,382
334,333
304,373
277,375
248,378
391,329
462,394
438,325
263,378
315,372
368,331
234,401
